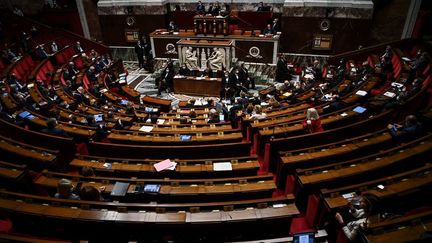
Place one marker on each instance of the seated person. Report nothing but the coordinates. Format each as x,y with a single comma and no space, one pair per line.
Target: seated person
200,8
90,193
64,190
312,122
269,30
87,171
184,120
52,130
91,75
191,103
257,114
184,70
261,7
213,116
359,210
412,129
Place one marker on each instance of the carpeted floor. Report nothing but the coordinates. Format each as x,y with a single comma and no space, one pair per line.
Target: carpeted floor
144,82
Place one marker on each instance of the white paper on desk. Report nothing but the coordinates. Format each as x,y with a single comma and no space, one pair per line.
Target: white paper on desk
344,114
349,195
222,166
160,121
389,94
406,59
264,103
361,93
279,205
146,128
173,166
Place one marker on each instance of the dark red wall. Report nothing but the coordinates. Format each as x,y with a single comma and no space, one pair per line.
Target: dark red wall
348,34
113,27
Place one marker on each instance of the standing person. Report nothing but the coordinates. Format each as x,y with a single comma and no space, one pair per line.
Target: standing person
312,122
172,27
139,50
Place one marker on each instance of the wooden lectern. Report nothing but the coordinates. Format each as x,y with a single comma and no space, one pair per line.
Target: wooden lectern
208,25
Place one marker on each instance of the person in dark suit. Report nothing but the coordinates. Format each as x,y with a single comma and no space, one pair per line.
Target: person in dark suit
167,78
276,25
184,70
51,128
139,50
41,53
91,75
200,8
260,7
412,129
281,70
269,30
172,27
244,77
78,47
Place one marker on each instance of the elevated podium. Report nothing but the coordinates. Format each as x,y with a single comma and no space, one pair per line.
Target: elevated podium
211,25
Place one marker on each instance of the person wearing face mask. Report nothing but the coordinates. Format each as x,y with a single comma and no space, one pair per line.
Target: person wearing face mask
356,219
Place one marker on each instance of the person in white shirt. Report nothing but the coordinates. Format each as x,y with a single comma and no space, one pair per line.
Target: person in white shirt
360,207
257,114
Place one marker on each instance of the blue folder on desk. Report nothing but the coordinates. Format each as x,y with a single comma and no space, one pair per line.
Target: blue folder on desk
26,115
359,109
185,137
152,188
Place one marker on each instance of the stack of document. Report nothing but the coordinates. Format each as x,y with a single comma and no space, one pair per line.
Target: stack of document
165,165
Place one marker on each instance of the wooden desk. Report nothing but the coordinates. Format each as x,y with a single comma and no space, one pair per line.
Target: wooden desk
334,198
197,86
373,164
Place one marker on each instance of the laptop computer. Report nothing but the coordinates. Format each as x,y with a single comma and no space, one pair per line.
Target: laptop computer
306,237
98,117
120,189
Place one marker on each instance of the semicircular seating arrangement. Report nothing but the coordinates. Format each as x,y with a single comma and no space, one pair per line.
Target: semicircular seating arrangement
148,173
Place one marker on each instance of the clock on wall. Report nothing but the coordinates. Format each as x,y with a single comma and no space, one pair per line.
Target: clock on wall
130,21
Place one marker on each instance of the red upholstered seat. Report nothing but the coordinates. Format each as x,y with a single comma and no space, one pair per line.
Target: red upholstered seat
290,187
341,237
5,226
426,70
307,223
